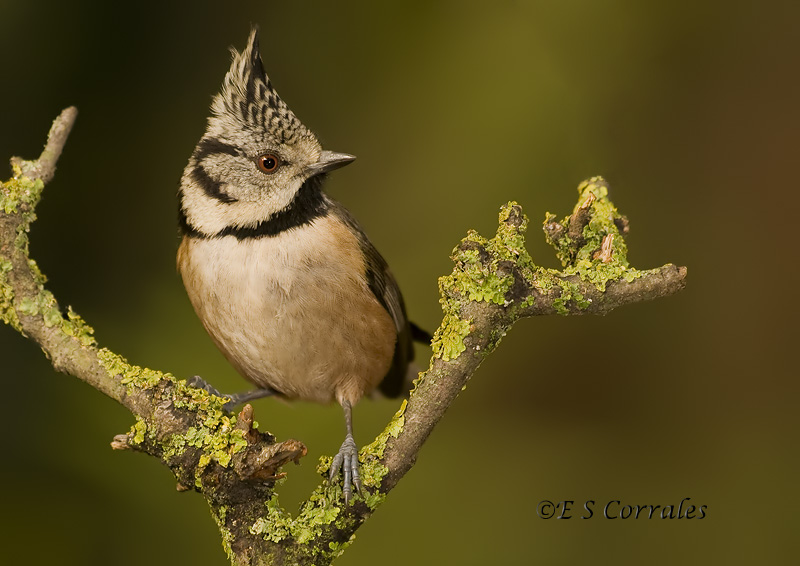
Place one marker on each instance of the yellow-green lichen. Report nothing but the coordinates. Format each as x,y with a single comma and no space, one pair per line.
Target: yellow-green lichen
377,447
216,434
509,242
586,261
317,512
448,340
173,446
372,469
45,304
219,440
76,327
338,548
7,312
183,395
19,196
138,431
482,273
323,507
569,292
220,513
132,376
20,190
320,511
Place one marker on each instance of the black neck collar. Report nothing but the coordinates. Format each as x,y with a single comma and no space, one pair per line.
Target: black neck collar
308,204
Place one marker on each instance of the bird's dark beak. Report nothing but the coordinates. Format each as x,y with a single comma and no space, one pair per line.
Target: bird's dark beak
328,161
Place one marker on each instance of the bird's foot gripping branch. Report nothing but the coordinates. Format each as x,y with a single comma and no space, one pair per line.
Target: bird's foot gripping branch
223,456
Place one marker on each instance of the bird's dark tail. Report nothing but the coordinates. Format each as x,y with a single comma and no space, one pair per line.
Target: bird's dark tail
420,335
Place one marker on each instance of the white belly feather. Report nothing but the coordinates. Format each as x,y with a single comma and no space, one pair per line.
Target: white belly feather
292,311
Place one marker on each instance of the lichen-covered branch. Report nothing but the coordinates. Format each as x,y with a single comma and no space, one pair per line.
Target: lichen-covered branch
224,457
495,282
44,168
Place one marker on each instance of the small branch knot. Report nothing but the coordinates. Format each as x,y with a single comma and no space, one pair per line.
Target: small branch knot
622,224
244,422
553,231
515,216
262,462
606,250
120,442
580,219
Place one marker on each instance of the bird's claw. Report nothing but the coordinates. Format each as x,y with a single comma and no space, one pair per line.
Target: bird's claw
199,383
347,461
232,400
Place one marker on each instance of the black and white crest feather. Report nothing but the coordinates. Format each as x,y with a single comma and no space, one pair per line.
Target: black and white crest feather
249,98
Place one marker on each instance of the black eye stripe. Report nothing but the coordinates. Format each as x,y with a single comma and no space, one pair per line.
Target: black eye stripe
211,146
210,187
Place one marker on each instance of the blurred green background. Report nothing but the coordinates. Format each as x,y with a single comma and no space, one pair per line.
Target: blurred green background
689,109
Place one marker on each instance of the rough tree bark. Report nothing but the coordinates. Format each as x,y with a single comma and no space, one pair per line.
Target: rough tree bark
234,466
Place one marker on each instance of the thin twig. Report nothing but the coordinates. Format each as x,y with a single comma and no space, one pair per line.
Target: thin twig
44,167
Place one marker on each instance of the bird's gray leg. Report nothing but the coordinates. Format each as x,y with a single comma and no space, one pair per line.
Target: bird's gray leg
347,458
233,400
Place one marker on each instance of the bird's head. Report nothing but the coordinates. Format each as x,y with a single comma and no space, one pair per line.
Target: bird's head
255,155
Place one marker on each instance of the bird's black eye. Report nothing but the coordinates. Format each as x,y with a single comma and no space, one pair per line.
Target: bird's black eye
268,163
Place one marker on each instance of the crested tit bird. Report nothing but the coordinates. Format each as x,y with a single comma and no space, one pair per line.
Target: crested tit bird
282,277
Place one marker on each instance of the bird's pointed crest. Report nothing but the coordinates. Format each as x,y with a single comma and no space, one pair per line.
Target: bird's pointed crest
249,97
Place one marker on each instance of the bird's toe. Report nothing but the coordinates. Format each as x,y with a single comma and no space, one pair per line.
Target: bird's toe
346,460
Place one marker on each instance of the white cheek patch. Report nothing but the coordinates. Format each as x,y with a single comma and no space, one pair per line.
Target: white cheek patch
241,207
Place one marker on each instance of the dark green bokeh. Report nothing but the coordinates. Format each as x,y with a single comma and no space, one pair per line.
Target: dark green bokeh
688,108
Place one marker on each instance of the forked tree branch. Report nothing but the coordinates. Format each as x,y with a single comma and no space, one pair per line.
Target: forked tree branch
494,283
